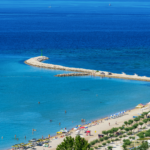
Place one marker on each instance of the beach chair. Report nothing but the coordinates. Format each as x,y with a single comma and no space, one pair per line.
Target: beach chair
77,132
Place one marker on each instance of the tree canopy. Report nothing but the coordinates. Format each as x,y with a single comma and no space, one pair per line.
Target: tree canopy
70,143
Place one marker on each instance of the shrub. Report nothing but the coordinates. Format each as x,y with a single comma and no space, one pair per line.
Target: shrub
140,135
99,145
110,147
108,141
104,144
96,147
106,138
130,133
127,142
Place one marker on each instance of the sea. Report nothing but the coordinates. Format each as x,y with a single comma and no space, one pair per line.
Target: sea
103,35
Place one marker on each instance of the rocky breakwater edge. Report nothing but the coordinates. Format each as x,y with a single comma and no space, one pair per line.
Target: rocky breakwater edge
37,62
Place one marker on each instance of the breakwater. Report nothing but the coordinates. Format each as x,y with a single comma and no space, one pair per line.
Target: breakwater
37,62
72,74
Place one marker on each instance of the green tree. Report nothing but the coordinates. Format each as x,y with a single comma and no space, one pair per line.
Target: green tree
141,123
145,113
70,143
124,146
145,121
110,147
104,144
137,119
126,123
111,135
105,132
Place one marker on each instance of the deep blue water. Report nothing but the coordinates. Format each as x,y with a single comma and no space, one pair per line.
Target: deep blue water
86,34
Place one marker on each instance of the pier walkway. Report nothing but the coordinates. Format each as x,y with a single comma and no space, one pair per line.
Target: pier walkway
37,62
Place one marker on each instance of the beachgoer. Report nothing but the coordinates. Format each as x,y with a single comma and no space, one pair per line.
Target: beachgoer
101,121
59,123
65,111
109,123
2,137
116,122
17,139
42,137
15,136
49,136
38,102
25,137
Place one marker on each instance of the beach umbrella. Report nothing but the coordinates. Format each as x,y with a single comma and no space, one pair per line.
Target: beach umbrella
82,127
61,130
139,106
79,125
88,131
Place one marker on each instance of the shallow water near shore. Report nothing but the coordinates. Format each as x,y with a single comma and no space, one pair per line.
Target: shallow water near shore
91,35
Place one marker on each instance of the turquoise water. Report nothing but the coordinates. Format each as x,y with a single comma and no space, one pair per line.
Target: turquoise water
84,34
22,87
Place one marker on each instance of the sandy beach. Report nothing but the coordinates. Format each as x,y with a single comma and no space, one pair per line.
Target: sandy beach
96,128
37,62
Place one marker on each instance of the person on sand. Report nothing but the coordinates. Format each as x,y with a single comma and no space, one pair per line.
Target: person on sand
109,123
116,122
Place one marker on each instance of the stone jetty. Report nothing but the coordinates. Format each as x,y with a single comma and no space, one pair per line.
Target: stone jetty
72,74
37,62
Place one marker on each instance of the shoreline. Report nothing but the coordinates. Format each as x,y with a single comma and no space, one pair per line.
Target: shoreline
120,121
37,62
128,114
